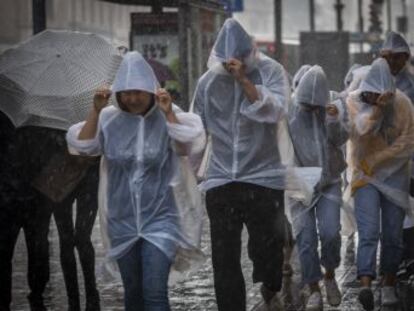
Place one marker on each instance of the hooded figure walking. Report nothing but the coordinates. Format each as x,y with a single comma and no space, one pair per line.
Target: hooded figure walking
381,125
241,99
397,53
140,142
317,140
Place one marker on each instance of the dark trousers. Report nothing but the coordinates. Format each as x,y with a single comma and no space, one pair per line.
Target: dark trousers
33,216
78,236
261,210
408,235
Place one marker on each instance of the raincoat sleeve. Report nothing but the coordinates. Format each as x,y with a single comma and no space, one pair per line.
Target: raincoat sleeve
403,146
189,131
271,106
198,104
337,130
89,147
361,122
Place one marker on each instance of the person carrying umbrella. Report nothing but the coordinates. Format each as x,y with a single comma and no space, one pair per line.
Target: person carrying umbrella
46,84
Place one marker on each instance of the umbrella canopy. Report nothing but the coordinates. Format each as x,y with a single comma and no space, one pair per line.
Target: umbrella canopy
162,72
50,79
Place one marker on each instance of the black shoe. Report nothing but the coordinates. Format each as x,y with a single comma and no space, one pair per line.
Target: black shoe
271,299
366,298
267,294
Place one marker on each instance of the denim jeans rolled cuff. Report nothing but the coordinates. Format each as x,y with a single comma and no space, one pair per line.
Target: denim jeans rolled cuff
370,207
325,219
313,273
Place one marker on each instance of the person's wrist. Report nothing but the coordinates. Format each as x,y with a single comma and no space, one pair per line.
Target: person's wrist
96,111
169,114
243,80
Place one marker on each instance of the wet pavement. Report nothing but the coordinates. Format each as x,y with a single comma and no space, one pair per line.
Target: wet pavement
195,293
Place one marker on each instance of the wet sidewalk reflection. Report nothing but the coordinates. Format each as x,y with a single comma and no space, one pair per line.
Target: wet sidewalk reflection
196,293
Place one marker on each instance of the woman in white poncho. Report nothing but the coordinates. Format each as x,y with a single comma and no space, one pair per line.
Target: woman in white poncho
136,138
317,140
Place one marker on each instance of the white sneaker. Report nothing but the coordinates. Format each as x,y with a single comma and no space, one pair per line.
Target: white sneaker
333,294
388,296
315,302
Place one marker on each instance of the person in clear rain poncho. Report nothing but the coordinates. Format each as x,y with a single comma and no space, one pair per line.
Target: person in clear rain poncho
289,238
397,53
350,75
352,80
381,133
317,142
299,75
136,138
241,99
295,82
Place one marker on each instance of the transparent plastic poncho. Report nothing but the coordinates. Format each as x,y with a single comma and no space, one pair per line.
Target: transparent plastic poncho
142,169
395,43
243,135
381,140
317,142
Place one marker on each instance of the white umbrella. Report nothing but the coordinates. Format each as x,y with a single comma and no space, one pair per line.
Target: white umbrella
50,79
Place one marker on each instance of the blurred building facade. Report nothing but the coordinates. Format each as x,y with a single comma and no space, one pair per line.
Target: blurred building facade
259,19
113,20
107,19
184,31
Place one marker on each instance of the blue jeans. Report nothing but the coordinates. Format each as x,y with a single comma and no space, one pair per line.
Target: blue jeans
325,217
375,214
144,271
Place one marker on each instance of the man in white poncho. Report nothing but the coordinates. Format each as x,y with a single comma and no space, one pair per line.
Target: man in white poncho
241,99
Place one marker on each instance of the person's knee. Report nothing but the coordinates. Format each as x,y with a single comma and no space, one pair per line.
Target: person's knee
306,241
155,291
39,245
393,239
66,240
369,235
330,235
131,284
82,241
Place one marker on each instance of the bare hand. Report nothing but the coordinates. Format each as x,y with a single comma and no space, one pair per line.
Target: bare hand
164,100
236,68
101,98
385,99
332,110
